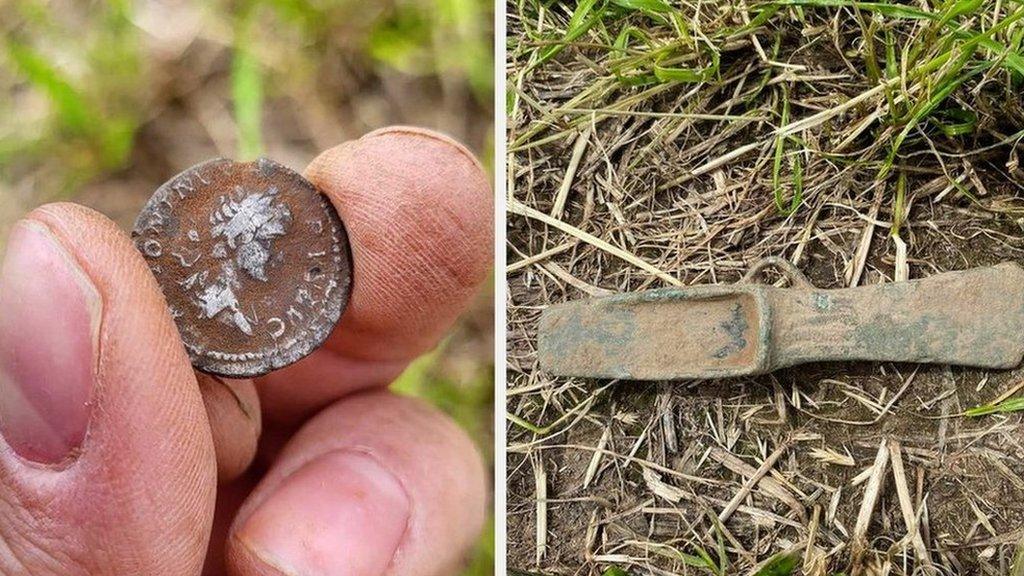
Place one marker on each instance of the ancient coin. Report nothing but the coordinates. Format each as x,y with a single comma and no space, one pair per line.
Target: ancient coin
253,260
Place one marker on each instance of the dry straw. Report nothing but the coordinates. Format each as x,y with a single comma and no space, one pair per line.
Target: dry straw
658,143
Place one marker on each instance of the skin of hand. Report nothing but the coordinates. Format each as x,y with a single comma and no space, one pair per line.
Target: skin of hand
112,446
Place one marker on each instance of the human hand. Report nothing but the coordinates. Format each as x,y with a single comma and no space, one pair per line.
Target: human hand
111,449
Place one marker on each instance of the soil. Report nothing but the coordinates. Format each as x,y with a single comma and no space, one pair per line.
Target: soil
966,469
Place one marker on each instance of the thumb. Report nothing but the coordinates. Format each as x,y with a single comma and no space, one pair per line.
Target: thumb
106,458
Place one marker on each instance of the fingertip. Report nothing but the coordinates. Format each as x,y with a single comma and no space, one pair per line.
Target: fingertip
233,410
146,432
376,484
418,208
342,513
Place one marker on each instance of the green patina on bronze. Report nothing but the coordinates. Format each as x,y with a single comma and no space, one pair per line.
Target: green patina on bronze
972,318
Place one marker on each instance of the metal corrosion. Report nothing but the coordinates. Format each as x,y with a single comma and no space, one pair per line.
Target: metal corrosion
253,260
970,318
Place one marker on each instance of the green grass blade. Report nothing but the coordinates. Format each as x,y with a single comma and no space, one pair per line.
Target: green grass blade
762,15
247,92
1004,407
782,564
689,75
899,204
883,8
72,107
1017,569
870,56
798,174
629,32
723,557
955,122
983,410
1013,60
685,75
958,9
416,376
701,560
649,7
780,148
586,14
922,112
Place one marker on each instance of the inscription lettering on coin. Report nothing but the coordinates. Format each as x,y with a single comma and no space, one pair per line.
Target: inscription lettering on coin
254,262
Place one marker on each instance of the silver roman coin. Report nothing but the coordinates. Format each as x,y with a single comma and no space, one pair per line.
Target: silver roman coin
253,260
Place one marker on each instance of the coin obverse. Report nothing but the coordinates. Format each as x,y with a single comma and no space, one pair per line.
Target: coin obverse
253,260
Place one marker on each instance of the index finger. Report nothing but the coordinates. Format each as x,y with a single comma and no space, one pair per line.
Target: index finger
418,209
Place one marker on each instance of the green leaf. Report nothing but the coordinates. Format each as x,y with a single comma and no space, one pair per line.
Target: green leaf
116,141
781,564
1012,60
723,558
615,571
301,12
581,19
510,101
416,377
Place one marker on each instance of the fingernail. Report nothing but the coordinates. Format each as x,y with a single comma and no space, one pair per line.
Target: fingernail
343,513
49,328
417,132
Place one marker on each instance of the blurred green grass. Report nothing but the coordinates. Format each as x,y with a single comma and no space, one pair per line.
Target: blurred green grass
95,77
101,101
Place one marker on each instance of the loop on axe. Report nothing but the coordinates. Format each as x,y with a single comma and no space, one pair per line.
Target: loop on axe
785,267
